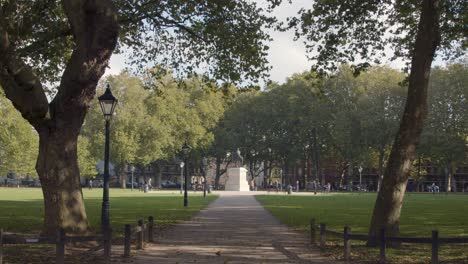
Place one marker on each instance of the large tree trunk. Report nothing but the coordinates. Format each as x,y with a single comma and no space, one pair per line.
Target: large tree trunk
58,171
95,31
390,197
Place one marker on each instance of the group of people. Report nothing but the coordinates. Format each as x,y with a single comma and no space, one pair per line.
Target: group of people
433,188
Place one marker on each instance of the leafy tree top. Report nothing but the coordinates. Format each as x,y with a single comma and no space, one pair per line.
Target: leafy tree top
226,38
358,32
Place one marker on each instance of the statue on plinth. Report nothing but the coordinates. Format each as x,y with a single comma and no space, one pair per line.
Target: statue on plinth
237,159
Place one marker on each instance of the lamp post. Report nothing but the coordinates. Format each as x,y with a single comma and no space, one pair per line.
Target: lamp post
108,103
205,167
360,178
132,169
185,152
181,176
281,185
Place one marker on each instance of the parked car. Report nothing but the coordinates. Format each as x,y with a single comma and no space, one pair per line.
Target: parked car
129,185
170,185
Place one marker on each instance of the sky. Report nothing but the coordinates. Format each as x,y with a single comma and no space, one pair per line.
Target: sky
286,56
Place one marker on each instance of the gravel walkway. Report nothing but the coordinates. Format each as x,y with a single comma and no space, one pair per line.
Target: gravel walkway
233,229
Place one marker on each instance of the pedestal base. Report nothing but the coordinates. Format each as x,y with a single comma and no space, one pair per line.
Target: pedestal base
237,180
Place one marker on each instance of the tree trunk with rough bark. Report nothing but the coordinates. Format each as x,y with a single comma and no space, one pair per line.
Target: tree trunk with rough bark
389,200
58,123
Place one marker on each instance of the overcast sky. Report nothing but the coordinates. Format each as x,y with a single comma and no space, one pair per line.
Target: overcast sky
285,55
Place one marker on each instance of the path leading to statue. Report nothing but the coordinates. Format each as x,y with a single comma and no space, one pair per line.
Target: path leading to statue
233,229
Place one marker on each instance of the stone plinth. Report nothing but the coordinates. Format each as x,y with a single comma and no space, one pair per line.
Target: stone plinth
237,180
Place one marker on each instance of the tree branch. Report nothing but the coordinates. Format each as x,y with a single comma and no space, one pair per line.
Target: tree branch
95,31
22,87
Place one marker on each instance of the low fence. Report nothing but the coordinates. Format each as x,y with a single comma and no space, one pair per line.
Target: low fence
142,232
59,240
382,239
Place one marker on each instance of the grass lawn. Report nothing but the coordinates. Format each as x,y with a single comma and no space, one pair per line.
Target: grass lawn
421,213
22,209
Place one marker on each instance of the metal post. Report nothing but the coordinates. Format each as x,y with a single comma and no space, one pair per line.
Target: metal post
127,240
281,185
382,246
150,229
316,158
435,247
107,244
186,182
140,234
105,197
323,227
347,242
312,231
1,246
60,246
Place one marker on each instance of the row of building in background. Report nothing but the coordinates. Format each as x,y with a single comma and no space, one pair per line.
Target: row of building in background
350,179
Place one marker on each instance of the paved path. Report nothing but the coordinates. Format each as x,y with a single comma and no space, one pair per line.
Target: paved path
233,229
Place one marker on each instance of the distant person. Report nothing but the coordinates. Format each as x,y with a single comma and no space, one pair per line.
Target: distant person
297,186
149,184
328,187
252,185
314,186
90,184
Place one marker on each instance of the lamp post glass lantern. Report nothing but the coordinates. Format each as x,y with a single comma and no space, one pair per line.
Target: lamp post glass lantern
108,103
185,153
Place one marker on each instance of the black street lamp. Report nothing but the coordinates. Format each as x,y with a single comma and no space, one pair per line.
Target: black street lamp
108,103
205,168
185,152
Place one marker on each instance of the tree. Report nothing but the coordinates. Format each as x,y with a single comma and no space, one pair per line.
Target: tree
445,133
350,31
18,141
380,108
41,39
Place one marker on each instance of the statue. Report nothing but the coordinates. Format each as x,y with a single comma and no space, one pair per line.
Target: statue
237,159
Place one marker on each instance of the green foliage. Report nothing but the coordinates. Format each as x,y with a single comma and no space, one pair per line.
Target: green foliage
155,117
358,32
18,141
353,118
86,162
226,38
445,135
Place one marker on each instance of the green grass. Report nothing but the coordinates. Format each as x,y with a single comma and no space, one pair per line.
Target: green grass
22,209
421,214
